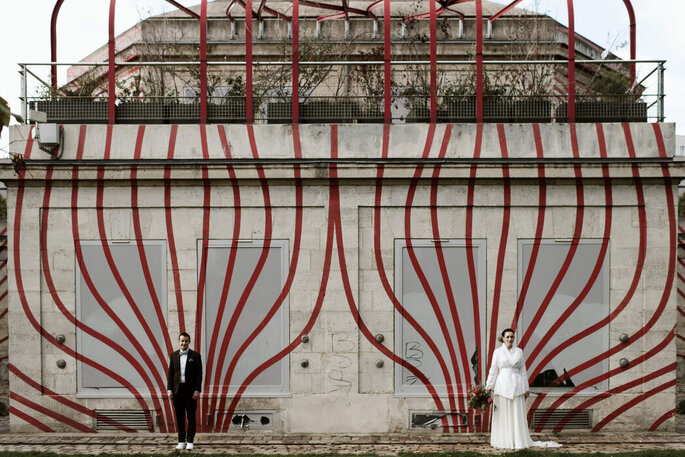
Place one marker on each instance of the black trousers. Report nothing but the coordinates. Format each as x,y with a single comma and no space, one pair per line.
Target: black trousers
184,405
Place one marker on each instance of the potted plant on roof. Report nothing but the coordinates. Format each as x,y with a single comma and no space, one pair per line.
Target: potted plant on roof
78,101
135,106
227,104
369,81
320,85
610,97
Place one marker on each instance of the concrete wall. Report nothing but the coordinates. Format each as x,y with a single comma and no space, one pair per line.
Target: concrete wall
151,182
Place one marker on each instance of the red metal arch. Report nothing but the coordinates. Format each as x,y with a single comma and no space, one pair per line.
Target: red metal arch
345,9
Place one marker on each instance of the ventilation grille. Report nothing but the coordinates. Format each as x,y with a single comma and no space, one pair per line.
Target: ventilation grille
249,420
433,419
118,419
551,419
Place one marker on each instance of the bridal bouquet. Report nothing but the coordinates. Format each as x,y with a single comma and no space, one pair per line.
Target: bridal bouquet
479,397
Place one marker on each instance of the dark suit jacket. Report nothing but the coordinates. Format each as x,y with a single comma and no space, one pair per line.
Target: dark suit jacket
193,371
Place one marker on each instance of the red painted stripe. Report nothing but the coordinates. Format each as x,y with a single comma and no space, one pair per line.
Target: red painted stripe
307,328
206,207
4,313
386,284
19,280
662,419
642,251
334,215
124,352
597,379
426,285
449,291
285,290
156,371
591,280
604,395
48,412
542,204
506,208
29,419
468,235
147,275
229,272
669,276
170,232
48,277
680,309
634,401
4,294
580,211
247,291
44,390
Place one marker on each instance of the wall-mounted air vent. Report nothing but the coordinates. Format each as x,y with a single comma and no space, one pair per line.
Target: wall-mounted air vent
123,419
551,419
251,420
433,419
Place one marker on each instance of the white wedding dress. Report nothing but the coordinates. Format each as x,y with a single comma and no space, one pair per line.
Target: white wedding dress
509,381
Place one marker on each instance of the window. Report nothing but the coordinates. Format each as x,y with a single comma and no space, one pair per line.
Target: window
91,311
593,308
275,335
414,298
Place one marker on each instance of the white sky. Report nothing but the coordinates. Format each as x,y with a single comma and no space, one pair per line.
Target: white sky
82,28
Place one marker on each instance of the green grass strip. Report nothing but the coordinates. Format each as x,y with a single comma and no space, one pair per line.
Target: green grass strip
521,453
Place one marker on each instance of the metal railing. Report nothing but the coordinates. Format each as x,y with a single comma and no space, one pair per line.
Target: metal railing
349,92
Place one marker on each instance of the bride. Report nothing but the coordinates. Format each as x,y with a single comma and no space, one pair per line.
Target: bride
509,379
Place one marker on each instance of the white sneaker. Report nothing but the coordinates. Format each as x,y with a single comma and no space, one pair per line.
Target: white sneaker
190,446
181,446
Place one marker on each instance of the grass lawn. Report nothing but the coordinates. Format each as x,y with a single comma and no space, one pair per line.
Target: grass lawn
522,453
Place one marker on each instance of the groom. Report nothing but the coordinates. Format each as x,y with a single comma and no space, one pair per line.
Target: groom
184,385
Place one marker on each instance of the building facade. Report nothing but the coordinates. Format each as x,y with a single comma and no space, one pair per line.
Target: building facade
342,276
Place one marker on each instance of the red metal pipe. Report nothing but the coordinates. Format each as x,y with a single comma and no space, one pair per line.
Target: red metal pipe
111,95
296,62
504,10
434,61
248,61
571,63
387,69
633,39
479,61
184,9
203,62
53,42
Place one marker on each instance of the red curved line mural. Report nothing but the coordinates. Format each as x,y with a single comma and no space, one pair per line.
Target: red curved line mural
227,280
170,231
389,290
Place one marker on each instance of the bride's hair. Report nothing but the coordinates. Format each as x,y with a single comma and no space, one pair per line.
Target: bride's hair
504,332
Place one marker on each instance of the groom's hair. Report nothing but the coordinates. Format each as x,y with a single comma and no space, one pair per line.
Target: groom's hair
184,334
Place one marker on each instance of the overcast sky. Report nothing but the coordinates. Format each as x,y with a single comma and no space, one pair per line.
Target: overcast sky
82,27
